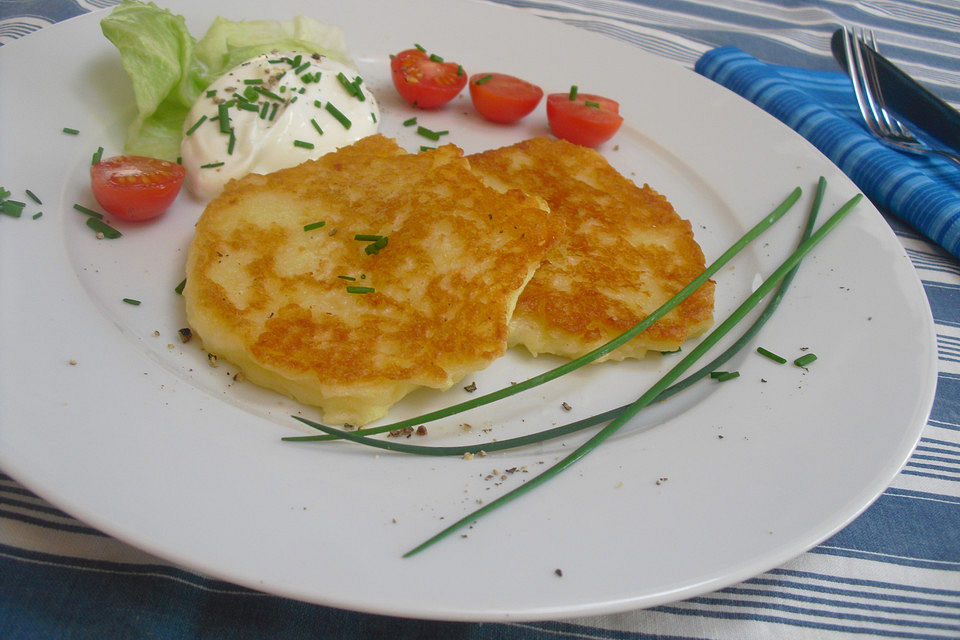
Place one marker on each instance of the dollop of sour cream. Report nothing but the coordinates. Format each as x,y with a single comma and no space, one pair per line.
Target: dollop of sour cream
272,112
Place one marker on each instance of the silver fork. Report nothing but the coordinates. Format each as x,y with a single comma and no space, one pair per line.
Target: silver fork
866,87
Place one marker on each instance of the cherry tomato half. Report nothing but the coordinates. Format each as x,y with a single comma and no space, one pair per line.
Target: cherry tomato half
135,187
502,98
586,120
426,81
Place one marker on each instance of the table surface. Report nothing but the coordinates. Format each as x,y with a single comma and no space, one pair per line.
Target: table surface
893,572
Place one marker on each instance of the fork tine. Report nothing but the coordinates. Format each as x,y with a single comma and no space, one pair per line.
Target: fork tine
867,76
873,80
854,70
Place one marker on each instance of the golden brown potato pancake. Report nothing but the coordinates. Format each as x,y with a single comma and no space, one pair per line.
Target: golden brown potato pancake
273,298
624,253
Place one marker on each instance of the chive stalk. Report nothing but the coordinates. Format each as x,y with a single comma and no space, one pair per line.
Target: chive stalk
336,113
771,355
803,361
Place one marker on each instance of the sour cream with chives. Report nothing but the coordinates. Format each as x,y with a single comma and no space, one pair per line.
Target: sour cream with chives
272,112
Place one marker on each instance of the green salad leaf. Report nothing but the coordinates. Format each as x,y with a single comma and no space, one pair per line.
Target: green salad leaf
169,69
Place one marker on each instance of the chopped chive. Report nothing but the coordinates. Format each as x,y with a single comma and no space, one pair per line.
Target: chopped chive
573,92
373,116
32,196
419,47
231,142
273,111
427,133
723,376
486,78
303,144
296,61
196,124
37,214
12,208
276,61
211,165
771,355
367,237
803,361
355,289
89,212
263,110
424,147
435,58
132,301
4,193
100,226
459,70
410,122
248,106
211,93
224,116
301,68
251,94
179,288
318,104
316,126
336,113
313,225
283,88
97,155
375,247
350,278
269,94
590,103
253,81
72,132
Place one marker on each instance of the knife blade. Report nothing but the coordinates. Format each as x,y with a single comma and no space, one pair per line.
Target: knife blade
908,97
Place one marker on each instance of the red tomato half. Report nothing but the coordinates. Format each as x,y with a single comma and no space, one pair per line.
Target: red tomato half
587,120
502,98
426,82
135,187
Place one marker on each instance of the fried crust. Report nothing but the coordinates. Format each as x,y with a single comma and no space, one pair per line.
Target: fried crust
625,252
272,298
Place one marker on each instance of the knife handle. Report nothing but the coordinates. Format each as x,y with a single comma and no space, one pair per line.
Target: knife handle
907,97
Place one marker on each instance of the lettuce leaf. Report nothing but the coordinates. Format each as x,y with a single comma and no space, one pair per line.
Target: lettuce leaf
169,68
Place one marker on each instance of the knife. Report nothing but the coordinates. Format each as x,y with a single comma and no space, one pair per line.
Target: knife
907,97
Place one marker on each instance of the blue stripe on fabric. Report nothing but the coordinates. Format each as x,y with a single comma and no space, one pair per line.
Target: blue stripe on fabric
860,582
944,301
946,406
903,634
914,532
917,189
59,526
888,595
883,557
935,476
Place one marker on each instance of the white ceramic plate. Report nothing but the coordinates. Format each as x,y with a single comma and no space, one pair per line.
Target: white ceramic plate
143,440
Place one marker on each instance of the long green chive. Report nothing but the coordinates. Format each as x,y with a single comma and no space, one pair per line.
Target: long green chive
179,288
32,196
313,225
100,226
573,92
316,126
803,361
89,212
410,122
603,350
196,125
97,155
486,78
303,144
224,115
72,132
662,384
135,303
586,423
211,165
336,113
427,133
354,289
771,355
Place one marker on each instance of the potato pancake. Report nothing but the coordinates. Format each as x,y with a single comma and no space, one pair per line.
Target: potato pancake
624,253
410,280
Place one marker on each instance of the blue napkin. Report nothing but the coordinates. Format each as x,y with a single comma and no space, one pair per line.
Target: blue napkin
821,106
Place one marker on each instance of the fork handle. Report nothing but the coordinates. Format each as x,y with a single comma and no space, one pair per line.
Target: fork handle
908,97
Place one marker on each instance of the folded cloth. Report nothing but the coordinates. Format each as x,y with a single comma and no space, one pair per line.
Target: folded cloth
923,190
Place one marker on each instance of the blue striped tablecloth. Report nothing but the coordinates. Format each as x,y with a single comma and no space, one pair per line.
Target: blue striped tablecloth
893,572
